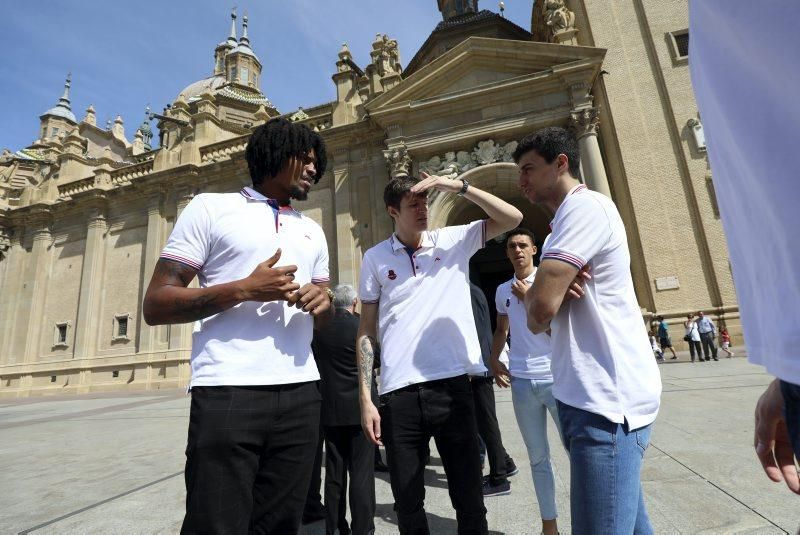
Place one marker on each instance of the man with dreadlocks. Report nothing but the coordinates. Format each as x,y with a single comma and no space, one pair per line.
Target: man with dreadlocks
263,273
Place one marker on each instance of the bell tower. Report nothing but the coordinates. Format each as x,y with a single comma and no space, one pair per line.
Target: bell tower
454,8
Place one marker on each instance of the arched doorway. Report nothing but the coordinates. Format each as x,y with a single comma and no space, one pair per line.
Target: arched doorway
489,267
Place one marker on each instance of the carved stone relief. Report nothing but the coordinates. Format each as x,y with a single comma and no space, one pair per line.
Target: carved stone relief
455,163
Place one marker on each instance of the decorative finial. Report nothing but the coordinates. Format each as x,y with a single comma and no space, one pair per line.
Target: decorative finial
244,38
232,37
108,124
502,9
63,102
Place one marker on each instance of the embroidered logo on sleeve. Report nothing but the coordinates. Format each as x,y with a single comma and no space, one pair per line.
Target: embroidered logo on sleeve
392,275
508,302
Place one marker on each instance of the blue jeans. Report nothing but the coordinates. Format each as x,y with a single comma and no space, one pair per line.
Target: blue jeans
791,401
606,460
532,399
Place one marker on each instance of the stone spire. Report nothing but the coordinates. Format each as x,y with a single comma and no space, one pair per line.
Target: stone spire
244,40
232,37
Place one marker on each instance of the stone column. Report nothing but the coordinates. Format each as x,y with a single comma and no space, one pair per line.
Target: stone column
586,121
39,276
88,322
180,335
149,337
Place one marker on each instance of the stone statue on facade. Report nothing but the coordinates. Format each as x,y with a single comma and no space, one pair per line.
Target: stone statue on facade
558,17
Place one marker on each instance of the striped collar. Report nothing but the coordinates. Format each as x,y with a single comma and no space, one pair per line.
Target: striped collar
253,195
397,245
575,189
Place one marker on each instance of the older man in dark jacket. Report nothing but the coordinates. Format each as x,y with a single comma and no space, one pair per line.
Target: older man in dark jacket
347,448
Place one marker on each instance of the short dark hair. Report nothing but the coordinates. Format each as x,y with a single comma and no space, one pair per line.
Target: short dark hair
660,318
396,189
272,144
520,231
549,143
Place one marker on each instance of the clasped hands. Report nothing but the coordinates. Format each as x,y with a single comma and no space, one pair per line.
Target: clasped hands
270,283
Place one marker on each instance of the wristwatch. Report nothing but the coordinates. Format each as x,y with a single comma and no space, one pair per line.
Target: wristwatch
330,293
464,188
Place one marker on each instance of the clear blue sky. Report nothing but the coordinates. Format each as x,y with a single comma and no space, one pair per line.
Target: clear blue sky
124,55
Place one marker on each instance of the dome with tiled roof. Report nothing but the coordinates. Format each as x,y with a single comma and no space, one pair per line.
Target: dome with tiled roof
63,109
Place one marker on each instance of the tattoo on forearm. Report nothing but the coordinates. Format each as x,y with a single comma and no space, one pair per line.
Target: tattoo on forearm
369,349
174,271
196,308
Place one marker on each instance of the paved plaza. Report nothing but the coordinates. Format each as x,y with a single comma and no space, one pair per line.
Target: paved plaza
112,463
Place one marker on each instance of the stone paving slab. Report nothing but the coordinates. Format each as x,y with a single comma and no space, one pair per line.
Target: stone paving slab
113,464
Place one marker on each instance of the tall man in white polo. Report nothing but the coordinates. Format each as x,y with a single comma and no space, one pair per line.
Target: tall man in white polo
606,381
531,380
255,410
415,296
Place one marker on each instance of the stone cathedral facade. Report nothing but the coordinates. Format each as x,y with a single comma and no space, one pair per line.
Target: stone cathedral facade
85,211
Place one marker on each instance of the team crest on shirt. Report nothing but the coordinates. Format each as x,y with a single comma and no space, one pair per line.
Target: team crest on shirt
392,275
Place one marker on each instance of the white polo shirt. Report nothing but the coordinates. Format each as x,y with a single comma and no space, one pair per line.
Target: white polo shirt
601,361
225,236
425,323
529,354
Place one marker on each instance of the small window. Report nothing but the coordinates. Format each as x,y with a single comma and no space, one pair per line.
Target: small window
52,378
680,44
115,373
121,327
220,61
54,132
245,74
233,74
60,335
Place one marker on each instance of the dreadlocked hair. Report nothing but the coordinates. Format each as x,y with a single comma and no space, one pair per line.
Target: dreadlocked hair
272,144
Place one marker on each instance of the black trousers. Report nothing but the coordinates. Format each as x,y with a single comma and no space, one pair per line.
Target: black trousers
410,416
709,346
694,347
488,428
249,457
347,450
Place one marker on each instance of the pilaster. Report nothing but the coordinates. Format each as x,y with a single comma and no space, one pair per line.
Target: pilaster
345,243
88,322
39,275
150,337
180,335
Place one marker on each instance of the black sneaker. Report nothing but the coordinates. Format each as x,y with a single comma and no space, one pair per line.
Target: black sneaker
511,468
500,489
